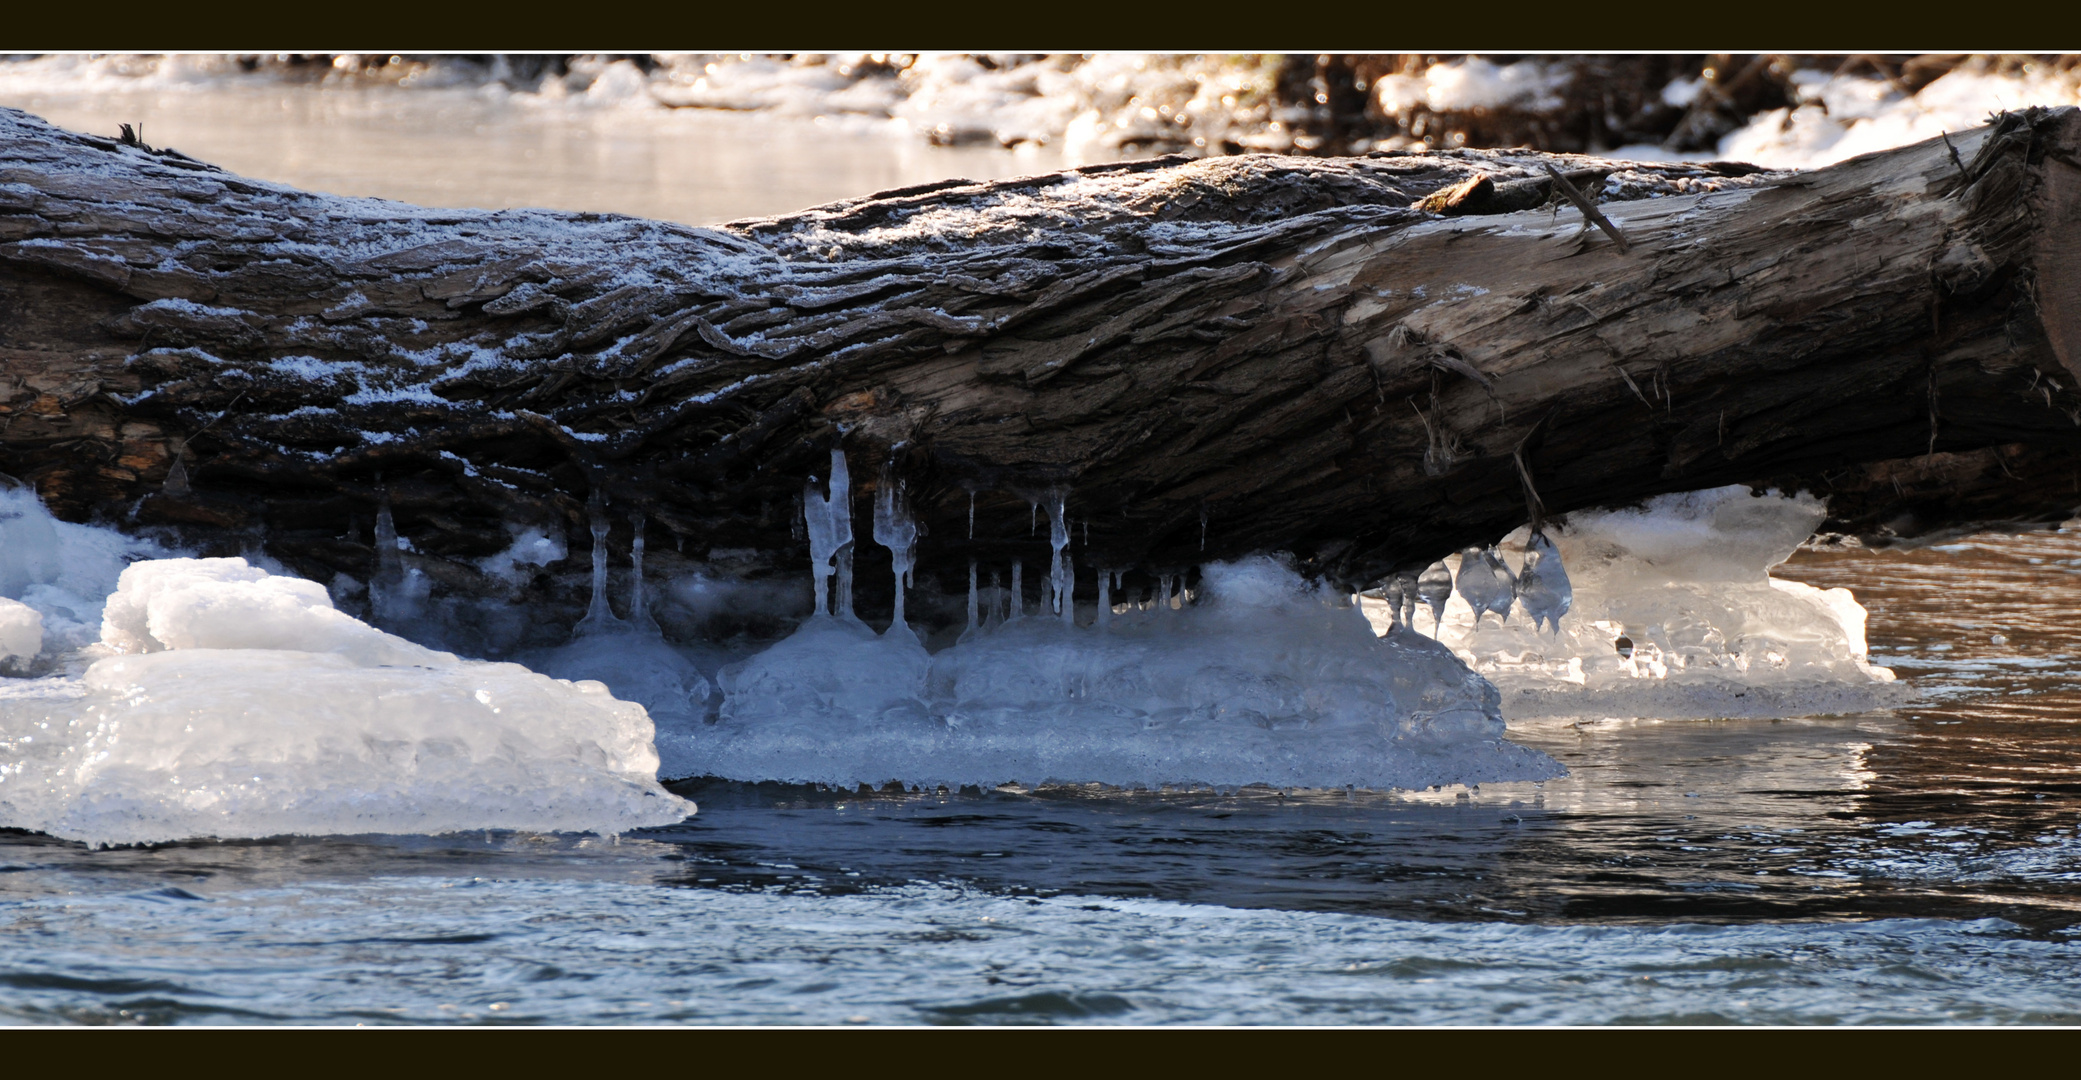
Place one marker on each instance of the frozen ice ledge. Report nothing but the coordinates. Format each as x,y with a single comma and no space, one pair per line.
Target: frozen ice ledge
207,697
1255,677
1674,615
1263,679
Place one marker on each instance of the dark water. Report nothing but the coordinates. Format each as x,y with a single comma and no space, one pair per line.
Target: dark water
1962,806
1913,866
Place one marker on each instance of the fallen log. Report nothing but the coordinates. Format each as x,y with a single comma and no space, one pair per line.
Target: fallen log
1365,362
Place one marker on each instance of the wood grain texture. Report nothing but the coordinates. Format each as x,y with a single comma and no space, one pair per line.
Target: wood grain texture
1209,357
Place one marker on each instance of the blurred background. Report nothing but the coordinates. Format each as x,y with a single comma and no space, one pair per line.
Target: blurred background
707,138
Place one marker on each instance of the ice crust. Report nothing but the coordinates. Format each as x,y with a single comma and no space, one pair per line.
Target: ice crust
1685,580
1266,680
241,704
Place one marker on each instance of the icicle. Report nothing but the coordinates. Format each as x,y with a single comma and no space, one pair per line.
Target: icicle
598,616
1203,526
1086,523
1018,593
842,522
388,562
1543,584
1410,597
999,603
823,543
1062,574
1163,592
896,530
829,522
973,608
1105,600
1481,586
971,515
842,597
177,476
639,604
1032,517
1434,588
1506,583
385,583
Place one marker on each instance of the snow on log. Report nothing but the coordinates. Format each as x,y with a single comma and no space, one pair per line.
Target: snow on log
1366,362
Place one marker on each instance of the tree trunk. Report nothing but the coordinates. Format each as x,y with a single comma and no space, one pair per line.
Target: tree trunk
1365,362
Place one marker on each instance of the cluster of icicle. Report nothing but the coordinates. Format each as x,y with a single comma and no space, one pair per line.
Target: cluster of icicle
1673,613
1540,586
1255,677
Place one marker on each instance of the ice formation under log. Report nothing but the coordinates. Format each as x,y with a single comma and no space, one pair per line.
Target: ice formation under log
599,615
630,656
1263,680
1543,586
1674,614
896,530
830,523
639,597
229,702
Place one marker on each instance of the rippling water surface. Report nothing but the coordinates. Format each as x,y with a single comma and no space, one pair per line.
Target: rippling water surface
1919,866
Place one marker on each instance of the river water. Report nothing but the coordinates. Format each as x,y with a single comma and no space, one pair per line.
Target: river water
1914,866
479,148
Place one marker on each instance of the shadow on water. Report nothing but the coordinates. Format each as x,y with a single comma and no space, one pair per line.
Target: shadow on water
1709,852
1964,805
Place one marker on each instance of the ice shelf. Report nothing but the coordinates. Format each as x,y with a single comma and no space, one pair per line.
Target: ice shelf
1675,614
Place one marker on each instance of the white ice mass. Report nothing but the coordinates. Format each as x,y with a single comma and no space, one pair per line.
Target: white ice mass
224,701
214,698
1264,680
1675,614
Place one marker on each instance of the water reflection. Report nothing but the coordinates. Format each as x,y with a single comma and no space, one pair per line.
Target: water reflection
472,148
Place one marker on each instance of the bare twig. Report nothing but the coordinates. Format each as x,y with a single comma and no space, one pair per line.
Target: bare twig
1956,161
1589,209
1535,507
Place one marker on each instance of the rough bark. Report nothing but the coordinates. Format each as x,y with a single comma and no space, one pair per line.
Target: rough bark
1365,362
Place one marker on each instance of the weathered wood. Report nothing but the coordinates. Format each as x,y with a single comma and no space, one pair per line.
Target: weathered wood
1210,357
